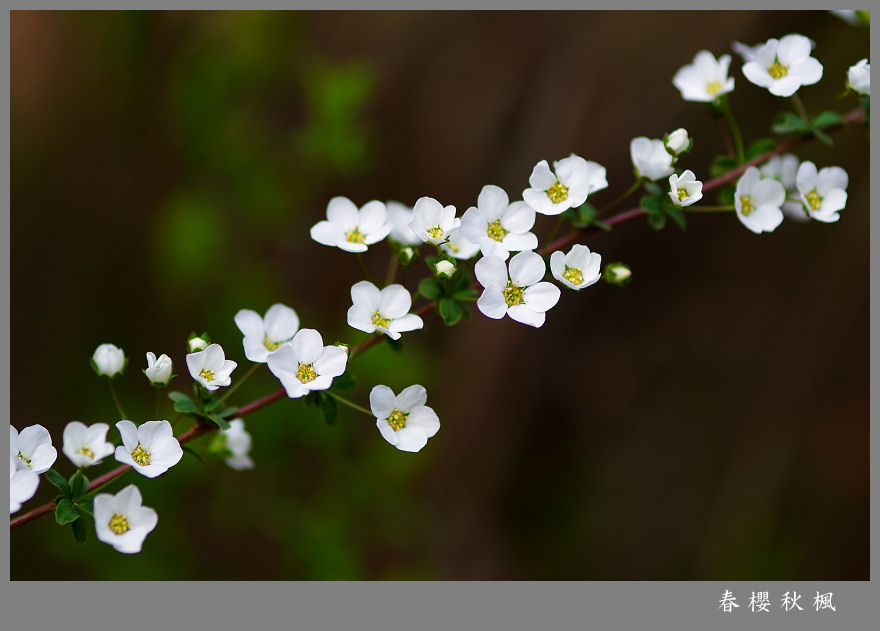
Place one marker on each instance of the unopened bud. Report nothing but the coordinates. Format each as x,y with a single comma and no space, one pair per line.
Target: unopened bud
617,274
196,343
345,347
677,142
408,256
444,269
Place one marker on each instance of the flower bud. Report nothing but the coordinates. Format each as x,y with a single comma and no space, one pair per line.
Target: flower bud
345,347
108,360
617,274
196,343
444,269
677,142
858,77
408,256
158,371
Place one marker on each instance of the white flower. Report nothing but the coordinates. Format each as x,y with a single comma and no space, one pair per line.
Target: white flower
784,65
823,192
784,169
458,246
86,446
444,269
859,77
404,421
263,336
678,142
757,201
748,53
498,226
108,360
521,295
705,79
305,364
685,189
650,158
238,442
617,274
122,520
399,215
431,222
578,269
572,180
386,311
351,229
210,367
33,448
23,483
158,371
150,449
195,344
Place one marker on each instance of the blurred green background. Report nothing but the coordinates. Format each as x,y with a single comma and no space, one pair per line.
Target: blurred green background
709,421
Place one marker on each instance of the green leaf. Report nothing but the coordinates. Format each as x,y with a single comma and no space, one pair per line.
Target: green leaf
602,226
650,205
678,217
80,532
183,403
430,288
57,480
227,412
79,484
822,137
789,122
653,189
759,148
345,381
86,505
328,409
212,404
192,452
450,311
219,421
466,295
65,512
827,119
657,221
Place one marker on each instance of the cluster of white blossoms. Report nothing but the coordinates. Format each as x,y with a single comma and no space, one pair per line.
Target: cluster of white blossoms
30,454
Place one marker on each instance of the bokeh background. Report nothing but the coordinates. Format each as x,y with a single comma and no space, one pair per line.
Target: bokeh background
709,421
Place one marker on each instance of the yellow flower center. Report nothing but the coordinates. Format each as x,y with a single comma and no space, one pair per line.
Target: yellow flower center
435,233
682,194
305,373
573,275
88,453
557,193
24,459
713,88
452,247
270,345
496,231
397,419
747,206
141,455
380,320
814,199
513,295
118,524
777,70
207,375
355,236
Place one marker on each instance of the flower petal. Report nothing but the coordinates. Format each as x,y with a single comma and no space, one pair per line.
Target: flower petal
411,439
519,217
491,271
425,419
327,233
541,296
281,322
492,202
382,402
526,315
342,212
331,362
249,323
307,346
394,301
411,397
527,268
491,303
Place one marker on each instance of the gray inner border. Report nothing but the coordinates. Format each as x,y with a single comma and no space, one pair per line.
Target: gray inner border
426,605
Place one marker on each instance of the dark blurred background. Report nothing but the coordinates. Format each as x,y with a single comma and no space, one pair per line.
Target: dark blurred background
709,421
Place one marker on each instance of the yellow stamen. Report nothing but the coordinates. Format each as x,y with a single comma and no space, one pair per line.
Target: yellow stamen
557,193
573,275
713,88
355,236
119,524
141,455
777,70
88,453
25,460
513,295
380,320
305,373
496,231
397,419
435,233
814,199
747,206
207,375
682,194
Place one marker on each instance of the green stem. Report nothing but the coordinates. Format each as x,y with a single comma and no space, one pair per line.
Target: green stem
122,414
240,381
555,230
363,266
799,106
158,400
350,404
708,209
392,270
632,189
734,130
